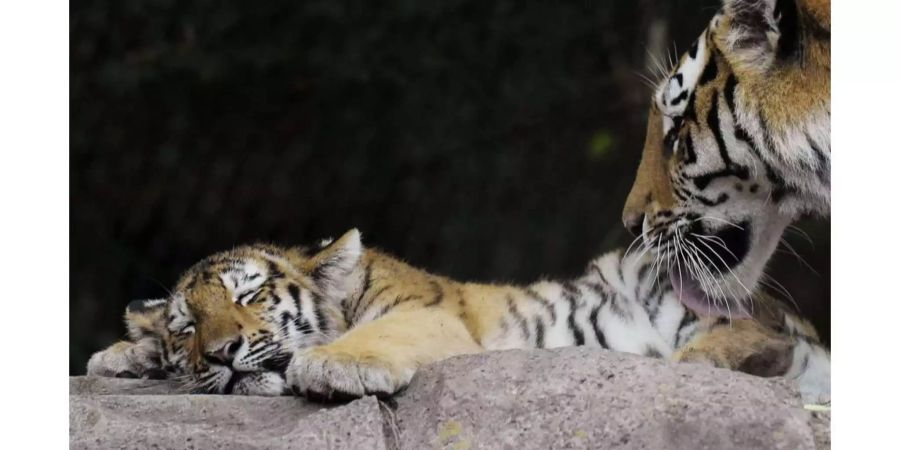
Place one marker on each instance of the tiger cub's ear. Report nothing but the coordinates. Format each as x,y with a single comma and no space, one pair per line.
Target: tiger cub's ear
762,32
145,318
332,268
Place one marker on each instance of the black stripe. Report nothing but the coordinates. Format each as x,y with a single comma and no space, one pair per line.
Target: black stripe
276,299
523,324
790,46
723,197
652,305
229,387
302,325
690,111
721,322
730,169
687,319
397,302
294,290
577,333
602,291
600,274
321,320
690,156
274,272
710,72
715,125
295,296
371,299
729,91
345,303
779,188
543,302
539,332
438,294
461,302
823,166
257,349
285,319
598,333
805,363
680,98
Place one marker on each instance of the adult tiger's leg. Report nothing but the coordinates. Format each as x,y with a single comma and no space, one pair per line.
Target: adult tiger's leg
749,346
743,345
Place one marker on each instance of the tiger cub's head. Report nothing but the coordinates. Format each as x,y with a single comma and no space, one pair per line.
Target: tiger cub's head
737,147
234,320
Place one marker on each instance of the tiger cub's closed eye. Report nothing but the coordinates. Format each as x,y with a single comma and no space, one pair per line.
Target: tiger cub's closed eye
247,297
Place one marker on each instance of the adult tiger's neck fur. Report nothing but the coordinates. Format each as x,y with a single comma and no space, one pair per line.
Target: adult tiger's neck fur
785,104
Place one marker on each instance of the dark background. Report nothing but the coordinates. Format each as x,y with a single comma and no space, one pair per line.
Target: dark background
481,140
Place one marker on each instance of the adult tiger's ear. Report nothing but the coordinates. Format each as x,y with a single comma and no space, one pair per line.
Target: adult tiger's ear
334,266
761,33
145,319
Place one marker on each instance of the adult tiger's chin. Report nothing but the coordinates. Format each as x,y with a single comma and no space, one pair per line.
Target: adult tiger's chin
722,267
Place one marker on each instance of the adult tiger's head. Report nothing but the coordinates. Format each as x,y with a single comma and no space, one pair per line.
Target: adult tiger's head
234,320
738,146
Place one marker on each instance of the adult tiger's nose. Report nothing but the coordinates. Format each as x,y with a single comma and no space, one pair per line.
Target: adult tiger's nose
634,223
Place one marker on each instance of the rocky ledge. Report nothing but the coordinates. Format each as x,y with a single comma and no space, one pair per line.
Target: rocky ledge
539,399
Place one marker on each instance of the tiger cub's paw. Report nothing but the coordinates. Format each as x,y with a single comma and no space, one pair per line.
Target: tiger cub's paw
325,374
128,360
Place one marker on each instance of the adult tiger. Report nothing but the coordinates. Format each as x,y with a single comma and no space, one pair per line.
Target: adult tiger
345,321
738,145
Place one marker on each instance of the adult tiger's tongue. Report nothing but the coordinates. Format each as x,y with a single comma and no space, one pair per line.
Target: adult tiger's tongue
688,291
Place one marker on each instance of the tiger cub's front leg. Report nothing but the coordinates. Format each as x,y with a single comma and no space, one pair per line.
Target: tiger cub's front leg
379,357
126,359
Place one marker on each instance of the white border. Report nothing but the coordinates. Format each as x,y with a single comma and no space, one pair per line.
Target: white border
866,181
34,198
34,180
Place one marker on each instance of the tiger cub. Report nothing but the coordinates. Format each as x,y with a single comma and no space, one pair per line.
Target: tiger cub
343,321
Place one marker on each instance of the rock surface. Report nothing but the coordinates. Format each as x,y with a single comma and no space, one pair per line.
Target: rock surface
563,398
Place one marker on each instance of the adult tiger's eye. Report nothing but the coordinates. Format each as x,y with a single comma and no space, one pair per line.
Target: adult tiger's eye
671,137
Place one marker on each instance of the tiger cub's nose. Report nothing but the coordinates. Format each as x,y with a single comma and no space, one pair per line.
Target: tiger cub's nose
225,354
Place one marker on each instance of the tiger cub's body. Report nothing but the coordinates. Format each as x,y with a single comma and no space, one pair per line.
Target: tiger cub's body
349,321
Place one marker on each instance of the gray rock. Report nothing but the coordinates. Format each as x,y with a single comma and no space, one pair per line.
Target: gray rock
120,386
562,398
821,425
585,398
220,422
